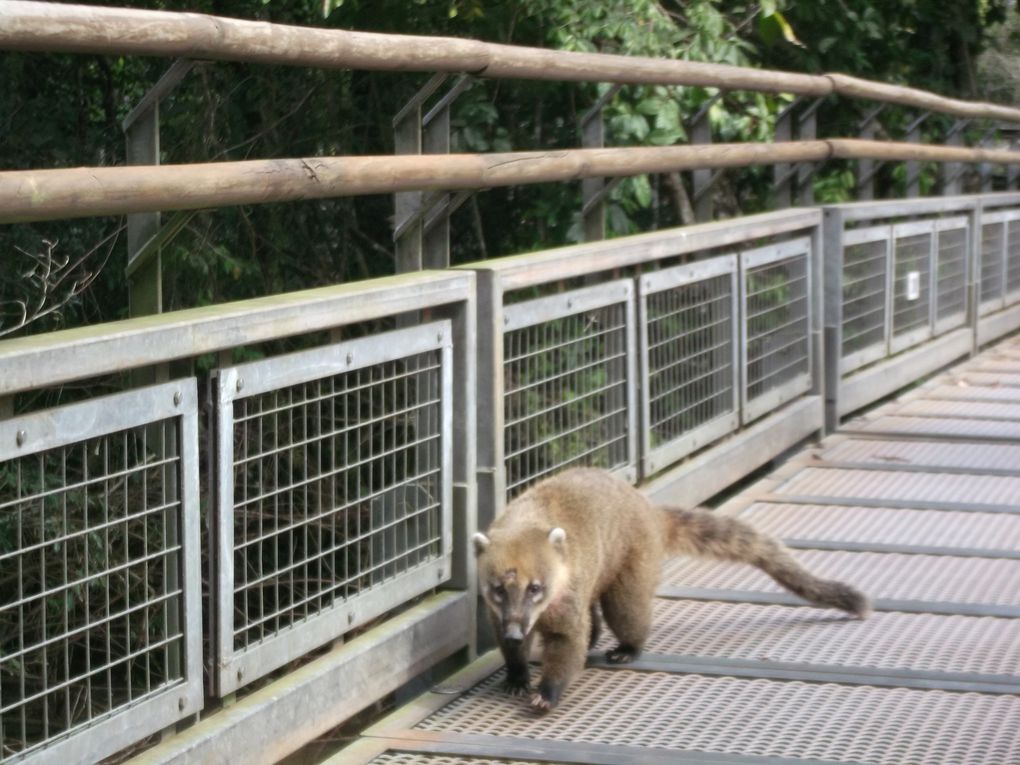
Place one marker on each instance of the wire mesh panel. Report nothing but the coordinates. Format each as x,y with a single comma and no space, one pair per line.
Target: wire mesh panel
1013,258
951,248
334,494
911,288
993,255
569,382
776,327
865,296
689,357
100,625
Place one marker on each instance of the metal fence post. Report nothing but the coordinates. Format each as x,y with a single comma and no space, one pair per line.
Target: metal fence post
868,168
594,191
807,130
952,172
141,130
973,275
984,168
832,306
1013,171
422,221
913,169
782,179
699,131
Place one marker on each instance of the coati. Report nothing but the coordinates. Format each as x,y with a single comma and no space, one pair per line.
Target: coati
584,539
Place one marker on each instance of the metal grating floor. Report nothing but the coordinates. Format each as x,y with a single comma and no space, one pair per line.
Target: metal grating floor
918,504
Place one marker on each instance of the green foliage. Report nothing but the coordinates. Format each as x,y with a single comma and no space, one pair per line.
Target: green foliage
63,111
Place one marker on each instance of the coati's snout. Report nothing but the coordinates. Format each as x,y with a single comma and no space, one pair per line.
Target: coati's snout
519,581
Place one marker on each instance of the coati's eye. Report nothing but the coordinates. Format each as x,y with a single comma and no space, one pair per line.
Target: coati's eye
497,592
534,589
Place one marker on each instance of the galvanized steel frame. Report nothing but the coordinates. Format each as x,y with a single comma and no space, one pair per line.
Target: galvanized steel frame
55,358
542,310
653,458
66,425
870,373
753,408
237,667
605,259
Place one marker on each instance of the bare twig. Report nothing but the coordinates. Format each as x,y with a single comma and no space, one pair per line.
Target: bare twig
52,281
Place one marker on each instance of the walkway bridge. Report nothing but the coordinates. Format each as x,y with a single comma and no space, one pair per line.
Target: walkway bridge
917,503
223,565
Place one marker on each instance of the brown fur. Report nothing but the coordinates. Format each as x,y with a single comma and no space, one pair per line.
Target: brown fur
584,539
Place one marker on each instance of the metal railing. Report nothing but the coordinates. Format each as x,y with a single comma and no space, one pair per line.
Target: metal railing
345,477
333,476
930,276
673,341
100,617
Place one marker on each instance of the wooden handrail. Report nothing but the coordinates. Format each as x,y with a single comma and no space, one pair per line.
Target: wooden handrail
31,195
37,26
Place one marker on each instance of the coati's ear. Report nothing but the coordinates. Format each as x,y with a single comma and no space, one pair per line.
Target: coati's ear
558,538
481,542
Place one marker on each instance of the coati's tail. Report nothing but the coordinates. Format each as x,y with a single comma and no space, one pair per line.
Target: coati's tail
700,532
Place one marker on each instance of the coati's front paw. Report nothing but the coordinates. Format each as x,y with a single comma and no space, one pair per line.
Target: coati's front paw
547,697
540,704
623,654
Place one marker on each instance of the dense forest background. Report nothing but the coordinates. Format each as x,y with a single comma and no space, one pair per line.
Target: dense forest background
66,110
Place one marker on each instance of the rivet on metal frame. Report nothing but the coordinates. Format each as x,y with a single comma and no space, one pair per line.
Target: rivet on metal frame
177,398
350,358
350,617
20,437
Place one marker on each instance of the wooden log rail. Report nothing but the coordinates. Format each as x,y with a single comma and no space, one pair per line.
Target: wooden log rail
32,195
52,27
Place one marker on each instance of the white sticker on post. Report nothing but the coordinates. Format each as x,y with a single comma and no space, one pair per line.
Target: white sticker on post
913,285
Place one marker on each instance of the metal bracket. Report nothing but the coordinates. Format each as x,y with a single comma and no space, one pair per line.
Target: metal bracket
594,191
985,168
867,169
421,228
798,123
952,172
913,179
699,131
144,234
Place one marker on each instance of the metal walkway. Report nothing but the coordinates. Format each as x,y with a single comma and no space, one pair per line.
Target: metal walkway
918,504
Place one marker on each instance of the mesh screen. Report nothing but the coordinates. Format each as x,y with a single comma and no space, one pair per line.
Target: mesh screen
885,641
992,242
417,758
848,483
337,489
778,324
565,395
690,356
766,718
912,258
864,295
936,578
936,427
880,525
927,453
950,275
1013,257
91,603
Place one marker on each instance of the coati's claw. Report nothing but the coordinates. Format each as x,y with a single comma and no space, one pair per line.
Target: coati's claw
516,687
622,654
540,704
